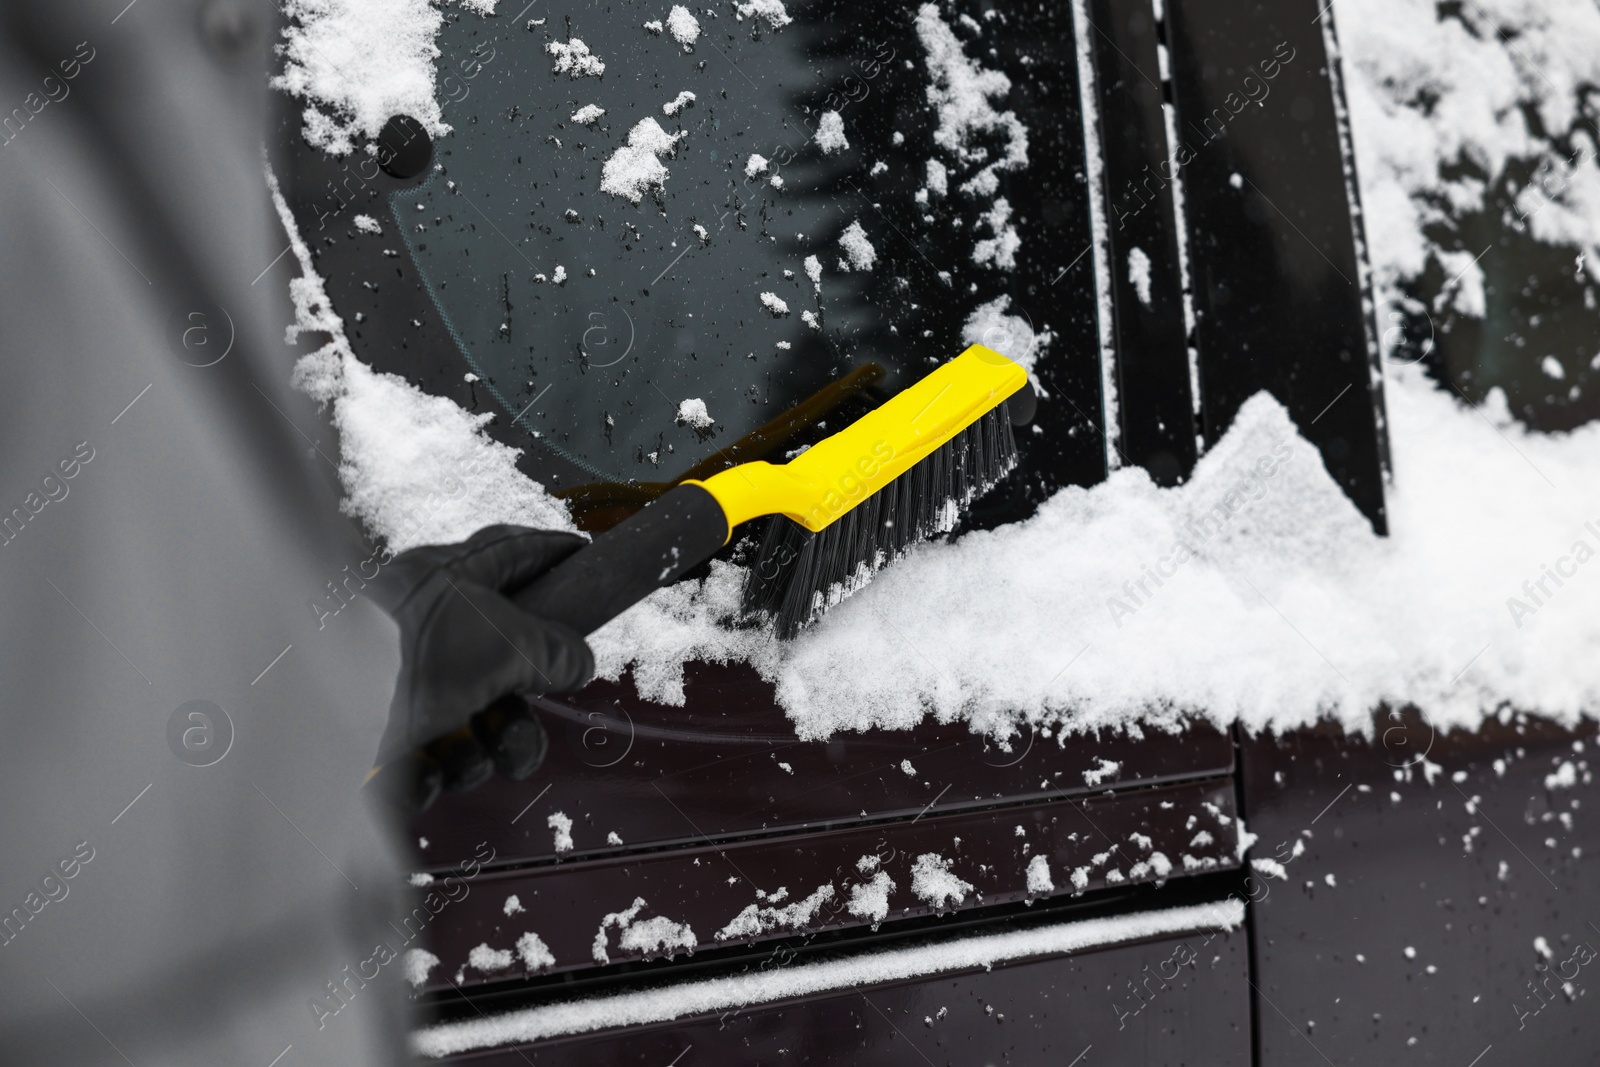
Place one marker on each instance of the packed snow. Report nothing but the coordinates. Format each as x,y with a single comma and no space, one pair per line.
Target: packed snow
857,248
692,413
1270,596
654,935
657,935
488,959
1101,771
757,919
999,249
326,42
535,954
993,325
1269,867
417,964
1039,880
574,59
588,114
1139,273
636,167
708,996
1431,89
962,94
774,304
417,469
678,103
830,133
561,824
772,11
870,900
684,27
933,882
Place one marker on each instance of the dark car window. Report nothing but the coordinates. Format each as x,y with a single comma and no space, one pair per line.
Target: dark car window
590,320
1503,309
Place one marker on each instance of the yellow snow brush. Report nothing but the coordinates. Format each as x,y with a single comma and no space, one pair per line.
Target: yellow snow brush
839,511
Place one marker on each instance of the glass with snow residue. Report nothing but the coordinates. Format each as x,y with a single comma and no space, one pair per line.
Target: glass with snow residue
1479,199
688,256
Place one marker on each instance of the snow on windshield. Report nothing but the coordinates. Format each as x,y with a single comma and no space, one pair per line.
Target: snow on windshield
1253,593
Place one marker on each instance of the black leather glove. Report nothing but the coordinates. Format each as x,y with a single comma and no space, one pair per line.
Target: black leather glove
466,652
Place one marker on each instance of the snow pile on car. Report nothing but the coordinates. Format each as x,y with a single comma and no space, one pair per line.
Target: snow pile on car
1444,103
355,65
684,27
574,59
708,996
773,11
962,95
830,133
857,248
636,167
417,469
1255,592
993,325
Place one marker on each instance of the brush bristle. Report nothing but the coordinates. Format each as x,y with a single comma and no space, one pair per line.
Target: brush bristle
797,575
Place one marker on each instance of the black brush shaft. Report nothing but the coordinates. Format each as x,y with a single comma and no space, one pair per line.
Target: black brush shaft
653,548
798,574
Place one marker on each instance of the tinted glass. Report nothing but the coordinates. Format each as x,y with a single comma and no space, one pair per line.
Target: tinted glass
663,301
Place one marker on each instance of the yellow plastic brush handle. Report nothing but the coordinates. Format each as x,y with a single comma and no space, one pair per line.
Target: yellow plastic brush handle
689,523
823,483
692,521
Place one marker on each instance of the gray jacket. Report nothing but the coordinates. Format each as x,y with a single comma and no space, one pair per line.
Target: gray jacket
188,872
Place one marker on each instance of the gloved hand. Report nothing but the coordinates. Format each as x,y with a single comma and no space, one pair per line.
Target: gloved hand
466,652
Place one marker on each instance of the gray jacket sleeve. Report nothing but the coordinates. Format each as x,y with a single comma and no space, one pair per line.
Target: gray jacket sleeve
188,873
